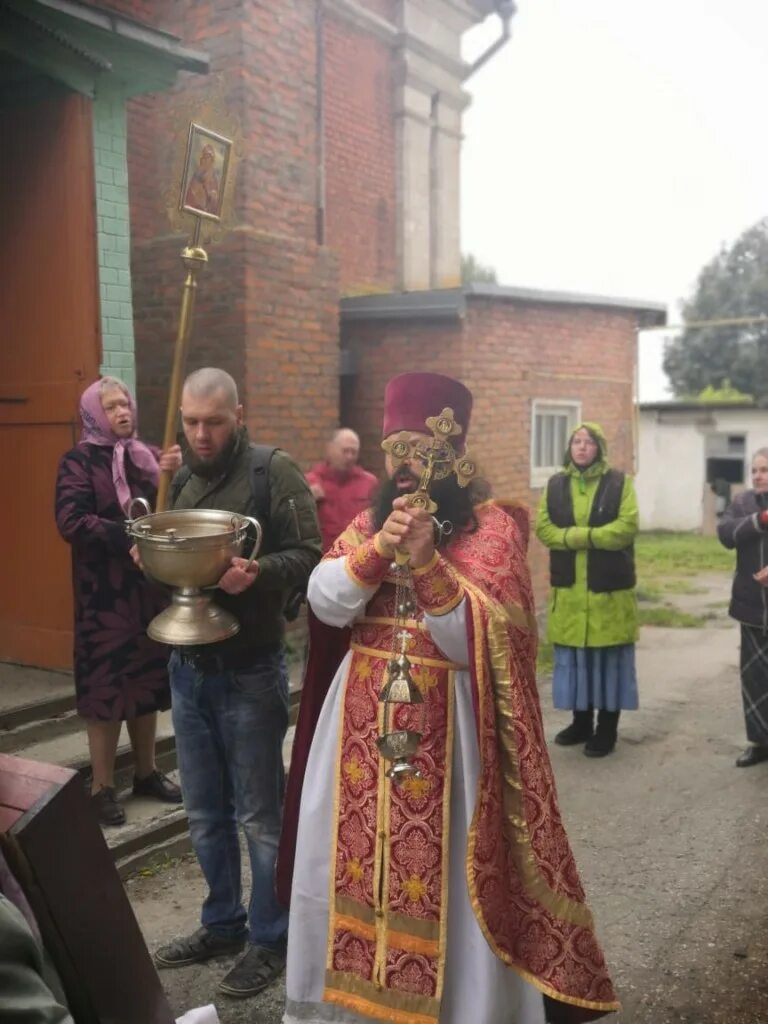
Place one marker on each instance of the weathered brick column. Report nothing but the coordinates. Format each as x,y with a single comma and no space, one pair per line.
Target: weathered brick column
267,302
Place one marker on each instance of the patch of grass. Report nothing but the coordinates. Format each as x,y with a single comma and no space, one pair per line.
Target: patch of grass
665,615
679,554
679,586
653,592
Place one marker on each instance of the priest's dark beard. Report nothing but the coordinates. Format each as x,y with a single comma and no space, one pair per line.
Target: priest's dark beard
455,504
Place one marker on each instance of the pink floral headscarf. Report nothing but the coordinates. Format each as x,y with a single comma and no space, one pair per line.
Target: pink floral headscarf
96,430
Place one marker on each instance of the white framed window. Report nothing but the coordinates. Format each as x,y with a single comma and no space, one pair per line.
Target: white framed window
552,423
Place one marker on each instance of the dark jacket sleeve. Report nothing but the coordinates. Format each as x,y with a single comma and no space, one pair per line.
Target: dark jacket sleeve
738,525
294,529
76,516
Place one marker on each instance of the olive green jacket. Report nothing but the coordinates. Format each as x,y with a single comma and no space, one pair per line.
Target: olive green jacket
578,617
24,992
290,550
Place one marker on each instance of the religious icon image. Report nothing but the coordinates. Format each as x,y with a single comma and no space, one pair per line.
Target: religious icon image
205,172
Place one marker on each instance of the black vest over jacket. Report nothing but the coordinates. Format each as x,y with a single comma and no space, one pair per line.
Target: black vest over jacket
606,570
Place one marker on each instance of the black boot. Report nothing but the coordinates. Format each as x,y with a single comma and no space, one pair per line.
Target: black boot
579,731
604,740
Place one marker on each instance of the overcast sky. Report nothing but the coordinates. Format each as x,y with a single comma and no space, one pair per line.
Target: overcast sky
614,145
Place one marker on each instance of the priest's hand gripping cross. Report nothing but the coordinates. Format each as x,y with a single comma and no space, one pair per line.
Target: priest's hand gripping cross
438,459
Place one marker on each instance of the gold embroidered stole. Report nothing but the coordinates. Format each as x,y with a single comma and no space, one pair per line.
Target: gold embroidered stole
389,878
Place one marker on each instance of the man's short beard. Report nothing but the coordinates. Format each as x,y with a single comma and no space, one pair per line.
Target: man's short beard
209,469
454,504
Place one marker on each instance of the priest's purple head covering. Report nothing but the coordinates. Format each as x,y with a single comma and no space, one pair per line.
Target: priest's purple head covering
411,398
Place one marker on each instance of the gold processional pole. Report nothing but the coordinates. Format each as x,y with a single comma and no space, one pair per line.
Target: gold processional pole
201,192
438,459
194,258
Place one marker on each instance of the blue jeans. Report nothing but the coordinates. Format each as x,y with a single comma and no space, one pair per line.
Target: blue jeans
230,726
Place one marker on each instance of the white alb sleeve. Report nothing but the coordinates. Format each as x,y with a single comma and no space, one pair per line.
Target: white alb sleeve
334,597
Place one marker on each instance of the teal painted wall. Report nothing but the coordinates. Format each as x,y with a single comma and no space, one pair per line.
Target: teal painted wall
113,236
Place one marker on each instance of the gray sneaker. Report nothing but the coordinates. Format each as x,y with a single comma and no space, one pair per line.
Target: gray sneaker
253,972
194,949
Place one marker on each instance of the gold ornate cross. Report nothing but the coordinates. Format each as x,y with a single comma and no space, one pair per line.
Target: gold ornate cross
438,458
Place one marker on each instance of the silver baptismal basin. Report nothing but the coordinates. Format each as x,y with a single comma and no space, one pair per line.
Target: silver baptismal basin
190,549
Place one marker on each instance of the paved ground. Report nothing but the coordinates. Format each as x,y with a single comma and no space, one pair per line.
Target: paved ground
669,835
20,684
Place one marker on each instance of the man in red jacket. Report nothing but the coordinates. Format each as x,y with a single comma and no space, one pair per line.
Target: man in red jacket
341,488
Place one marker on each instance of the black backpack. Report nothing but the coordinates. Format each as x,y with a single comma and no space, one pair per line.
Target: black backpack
261,458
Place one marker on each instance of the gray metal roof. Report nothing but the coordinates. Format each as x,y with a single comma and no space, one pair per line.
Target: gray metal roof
451,303
685,405
106,40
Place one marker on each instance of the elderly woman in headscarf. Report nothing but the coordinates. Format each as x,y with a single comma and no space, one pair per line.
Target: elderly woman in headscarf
588,519
744,526
120,674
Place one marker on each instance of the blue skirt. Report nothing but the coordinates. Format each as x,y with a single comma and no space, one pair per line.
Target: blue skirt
595,677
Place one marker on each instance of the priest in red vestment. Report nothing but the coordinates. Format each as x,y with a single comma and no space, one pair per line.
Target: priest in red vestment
452,896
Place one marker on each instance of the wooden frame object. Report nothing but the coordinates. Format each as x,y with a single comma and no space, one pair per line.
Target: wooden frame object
53,845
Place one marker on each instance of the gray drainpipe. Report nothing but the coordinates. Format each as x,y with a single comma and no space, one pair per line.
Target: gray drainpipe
320,122
506,10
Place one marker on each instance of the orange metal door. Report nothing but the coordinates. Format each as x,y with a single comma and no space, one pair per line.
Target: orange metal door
49,349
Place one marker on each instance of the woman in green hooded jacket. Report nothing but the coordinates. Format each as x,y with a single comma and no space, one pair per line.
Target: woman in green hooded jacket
588,519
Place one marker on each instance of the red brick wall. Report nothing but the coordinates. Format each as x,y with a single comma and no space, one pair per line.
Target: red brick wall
381,351
508,354
291,352
267,303
360,154
270,66
515,353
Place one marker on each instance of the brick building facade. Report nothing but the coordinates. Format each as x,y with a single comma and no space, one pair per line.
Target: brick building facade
338,262
536,362
346,116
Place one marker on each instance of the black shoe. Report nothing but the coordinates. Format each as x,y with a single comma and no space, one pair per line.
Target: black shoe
604,740
579,731
108,810
158,786
752,755
599,746
254,972
196,948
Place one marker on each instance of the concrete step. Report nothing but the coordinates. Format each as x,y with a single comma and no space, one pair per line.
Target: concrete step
37,723
34,705
21,685
20,715
150,823
153,832
71,748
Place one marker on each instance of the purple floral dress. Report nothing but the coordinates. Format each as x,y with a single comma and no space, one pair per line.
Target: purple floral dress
119,672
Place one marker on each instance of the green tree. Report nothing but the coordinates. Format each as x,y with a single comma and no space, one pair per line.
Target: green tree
726,394
733,284
472,270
